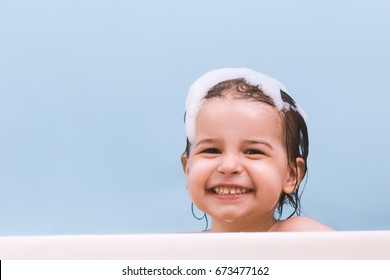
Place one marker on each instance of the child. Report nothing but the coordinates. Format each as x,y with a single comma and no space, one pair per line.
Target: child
247,147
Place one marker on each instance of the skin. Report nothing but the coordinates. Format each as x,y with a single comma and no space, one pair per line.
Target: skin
237,168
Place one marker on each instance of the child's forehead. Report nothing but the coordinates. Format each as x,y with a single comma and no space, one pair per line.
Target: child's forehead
244,119
225,107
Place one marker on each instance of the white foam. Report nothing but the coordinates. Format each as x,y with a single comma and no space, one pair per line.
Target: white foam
201,86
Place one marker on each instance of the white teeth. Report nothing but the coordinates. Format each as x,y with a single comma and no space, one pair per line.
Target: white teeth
226,190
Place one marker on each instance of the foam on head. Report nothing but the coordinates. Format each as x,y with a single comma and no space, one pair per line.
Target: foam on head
200,88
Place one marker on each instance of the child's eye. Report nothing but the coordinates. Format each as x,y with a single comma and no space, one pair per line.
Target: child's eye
253,152
211,151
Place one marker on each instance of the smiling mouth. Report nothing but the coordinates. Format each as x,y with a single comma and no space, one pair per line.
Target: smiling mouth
230,190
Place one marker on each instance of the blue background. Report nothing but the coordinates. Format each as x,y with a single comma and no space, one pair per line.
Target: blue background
92,99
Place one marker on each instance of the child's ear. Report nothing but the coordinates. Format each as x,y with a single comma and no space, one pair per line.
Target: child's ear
184,162
295,175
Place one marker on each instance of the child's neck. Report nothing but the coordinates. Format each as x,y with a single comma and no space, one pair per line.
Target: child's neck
242,226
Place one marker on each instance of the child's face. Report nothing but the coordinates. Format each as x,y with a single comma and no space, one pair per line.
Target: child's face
237,167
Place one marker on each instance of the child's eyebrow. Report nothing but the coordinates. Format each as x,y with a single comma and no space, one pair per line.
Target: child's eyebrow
206,141
258,142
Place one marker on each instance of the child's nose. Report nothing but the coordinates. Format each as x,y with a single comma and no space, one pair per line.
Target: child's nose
230,164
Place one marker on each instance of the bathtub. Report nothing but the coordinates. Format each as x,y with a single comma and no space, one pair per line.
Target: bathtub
343,245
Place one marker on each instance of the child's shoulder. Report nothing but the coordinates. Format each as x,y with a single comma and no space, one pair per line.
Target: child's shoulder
299,224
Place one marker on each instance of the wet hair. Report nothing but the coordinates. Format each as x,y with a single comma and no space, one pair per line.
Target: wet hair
295,134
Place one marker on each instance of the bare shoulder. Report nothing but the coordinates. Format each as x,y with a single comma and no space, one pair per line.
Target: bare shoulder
300,224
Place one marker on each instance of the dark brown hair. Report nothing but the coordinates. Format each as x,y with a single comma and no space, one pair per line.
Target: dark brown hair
295,135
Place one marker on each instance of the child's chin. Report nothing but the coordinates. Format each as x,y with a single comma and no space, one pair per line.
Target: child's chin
229,218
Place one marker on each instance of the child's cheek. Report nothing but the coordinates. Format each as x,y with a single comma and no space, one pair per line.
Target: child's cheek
198,171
